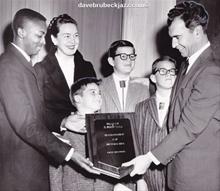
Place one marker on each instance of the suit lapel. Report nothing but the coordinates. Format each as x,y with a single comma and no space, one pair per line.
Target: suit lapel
57,75
153,110
183,80
129,97
22,59
113,92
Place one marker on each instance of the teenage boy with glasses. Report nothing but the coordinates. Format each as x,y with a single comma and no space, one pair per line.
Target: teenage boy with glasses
118,93
151,118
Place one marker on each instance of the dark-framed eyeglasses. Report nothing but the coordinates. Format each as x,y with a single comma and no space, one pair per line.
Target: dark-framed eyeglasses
124,56
164,71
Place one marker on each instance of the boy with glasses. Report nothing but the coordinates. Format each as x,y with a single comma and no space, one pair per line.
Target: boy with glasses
151,115
119,95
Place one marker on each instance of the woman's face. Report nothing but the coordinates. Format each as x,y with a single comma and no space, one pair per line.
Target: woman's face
67,40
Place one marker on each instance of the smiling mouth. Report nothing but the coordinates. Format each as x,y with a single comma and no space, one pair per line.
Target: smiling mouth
71,47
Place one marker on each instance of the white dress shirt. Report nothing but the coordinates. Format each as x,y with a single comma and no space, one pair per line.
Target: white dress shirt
193,58
67,68
163,103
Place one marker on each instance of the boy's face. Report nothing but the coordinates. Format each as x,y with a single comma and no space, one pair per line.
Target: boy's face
125,66
166,78
91,100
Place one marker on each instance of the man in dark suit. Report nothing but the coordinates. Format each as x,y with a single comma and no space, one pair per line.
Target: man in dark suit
25,142
193,145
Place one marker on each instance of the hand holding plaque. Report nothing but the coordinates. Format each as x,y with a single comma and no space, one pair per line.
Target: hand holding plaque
112,140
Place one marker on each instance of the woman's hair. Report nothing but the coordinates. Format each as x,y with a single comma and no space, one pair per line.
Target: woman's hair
55,23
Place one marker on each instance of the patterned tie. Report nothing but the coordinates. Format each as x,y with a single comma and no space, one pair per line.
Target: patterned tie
161,105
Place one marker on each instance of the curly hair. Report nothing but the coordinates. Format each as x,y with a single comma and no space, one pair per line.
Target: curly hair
55,23
192,13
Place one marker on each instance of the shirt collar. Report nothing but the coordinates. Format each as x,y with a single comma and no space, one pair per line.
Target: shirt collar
27,57
116,78
193,58
163,98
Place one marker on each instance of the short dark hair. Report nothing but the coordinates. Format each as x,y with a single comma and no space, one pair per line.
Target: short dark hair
192,13
160,59
119,43
23,15
79,86
54,26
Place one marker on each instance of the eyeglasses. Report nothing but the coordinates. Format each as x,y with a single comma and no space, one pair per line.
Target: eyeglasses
124,56
163,71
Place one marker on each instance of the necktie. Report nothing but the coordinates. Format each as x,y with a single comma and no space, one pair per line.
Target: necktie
185,67
161,105
122,85
161,113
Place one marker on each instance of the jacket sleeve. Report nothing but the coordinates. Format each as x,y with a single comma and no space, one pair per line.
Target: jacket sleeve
24,112
202,105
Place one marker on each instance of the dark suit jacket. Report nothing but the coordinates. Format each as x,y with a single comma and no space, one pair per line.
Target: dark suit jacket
110,101
25,142
56,89
194,142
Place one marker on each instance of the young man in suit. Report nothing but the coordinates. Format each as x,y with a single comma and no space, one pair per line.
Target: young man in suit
25,141
193,145
118,93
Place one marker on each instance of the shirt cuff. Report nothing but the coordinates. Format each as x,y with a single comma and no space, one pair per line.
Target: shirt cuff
69,155
153,158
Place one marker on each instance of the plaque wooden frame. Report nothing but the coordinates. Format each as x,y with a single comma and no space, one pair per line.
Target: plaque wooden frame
112,140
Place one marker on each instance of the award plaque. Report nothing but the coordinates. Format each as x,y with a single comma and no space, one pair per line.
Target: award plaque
112,140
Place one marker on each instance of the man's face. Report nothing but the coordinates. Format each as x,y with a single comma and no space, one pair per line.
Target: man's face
67,40
91,98
183,38
123,67
34,36
164,79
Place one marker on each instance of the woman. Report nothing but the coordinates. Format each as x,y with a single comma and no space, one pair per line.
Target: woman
63,65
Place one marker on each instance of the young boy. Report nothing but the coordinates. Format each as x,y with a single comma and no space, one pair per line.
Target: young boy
118,93
85,96
151,116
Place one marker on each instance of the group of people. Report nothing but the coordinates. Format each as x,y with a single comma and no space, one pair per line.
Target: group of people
178,126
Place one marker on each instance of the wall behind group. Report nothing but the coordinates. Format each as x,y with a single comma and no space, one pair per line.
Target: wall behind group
100,22
98,27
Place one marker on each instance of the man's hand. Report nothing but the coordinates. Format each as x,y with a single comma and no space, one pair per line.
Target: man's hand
141,164
84,163
75,123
